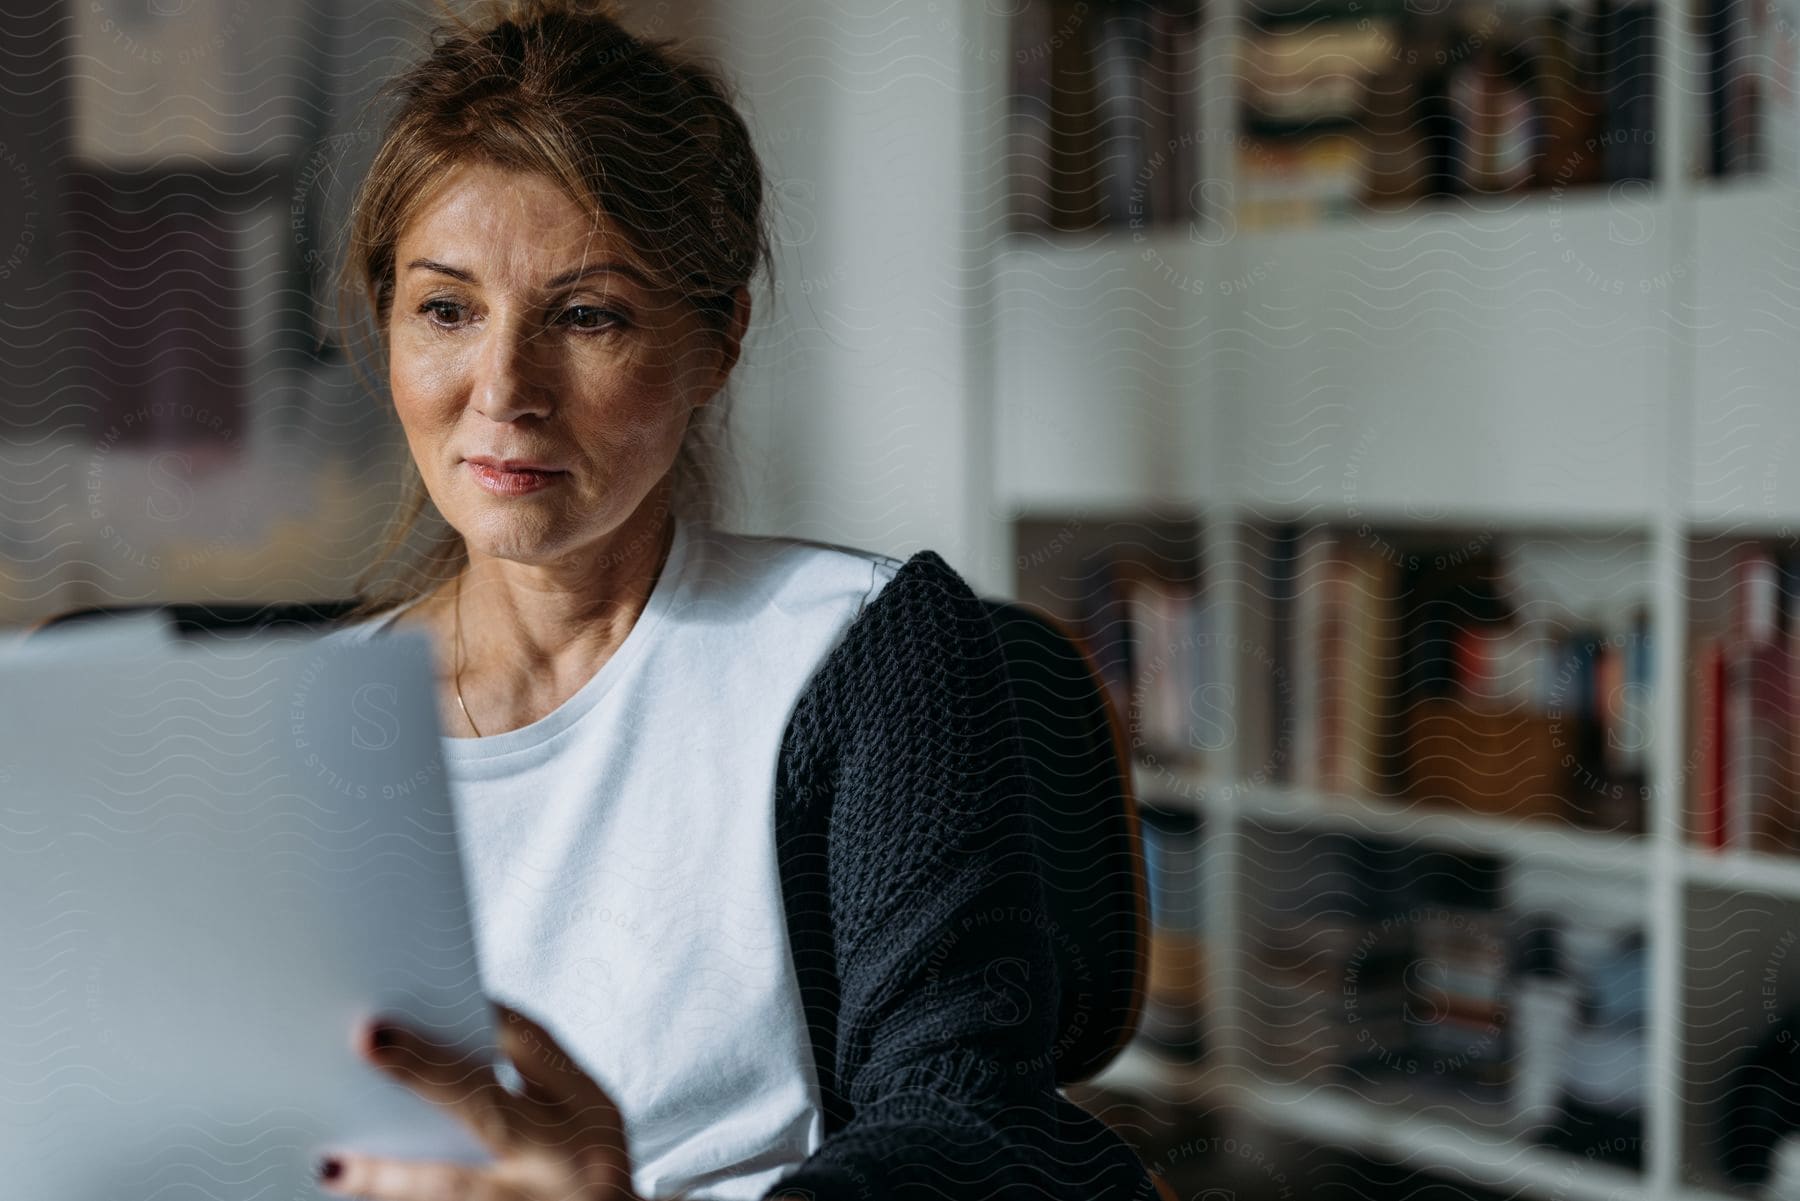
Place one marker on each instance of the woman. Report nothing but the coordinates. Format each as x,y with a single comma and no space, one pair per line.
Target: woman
650,721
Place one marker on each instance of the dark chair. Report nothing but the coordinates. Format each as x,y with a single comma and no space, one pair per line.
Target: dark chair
191,618
1085,818
1079,768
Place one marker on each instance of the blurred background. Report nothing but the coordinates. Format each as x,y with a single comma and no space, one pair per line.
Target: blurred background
1401,399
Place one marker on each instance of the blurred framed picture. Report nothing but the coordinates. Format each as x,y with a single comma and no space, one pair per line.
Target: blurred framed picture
158,82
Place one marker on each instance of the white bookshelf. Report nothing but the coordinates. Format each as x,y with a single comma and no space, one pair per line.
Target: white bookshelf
1410,822
1757,875
1404,368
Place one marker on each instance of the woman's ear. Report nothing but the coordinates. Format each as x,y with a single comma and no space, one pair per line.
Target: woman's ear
731,340
736,327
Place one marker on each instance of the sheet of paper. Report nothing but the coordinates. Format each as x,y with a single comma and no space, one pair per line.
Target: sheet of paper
215,859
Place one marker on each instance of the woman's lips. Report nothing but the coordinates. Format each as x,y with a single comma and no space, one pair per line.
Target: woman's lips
513,483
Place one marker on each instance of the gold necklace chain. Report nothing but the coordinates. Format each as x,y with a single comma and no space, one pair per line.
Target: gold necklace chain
456,678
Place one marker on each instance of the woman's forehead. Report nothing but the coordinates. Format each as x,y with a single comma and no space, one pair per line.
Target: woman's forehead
508,221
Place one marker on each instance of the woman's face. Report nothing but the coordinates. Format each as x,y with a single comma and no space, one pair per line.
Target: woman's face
519,335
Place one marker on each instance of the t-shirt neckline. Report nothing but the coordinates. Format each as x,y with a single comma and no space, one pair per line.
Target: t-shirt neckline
668,584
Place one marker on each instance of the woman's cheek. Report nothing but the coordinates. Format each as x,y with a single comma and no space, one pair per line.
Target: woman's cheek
425,388
643,415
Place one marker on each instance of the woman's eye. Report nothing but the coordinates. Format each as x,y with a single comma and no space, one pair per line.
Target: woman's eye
590,318
445,313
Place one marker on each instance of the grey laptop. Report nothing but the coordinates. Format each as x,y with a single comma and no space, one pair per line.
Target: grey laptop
215,859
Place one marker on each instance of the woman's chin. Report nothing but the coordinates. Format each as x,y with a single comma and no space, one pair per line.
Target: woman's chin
506,536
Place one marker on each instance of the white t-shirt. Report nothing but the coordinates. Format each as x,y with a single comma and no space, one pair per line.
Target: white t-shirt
621,859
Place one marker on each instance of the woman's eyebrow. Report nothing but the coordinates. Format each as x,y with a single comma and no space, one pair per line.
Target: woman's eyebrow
567,277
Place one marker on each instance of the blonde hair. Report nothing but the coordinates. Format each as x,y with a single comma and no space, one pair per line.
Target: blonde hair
634,129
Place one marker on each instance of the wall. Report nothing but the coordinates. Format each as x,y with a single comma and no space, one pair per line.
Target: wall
857,405
866,414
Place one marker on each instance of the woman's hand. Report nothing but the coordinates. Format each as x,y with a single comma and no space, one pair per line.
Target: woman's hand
559,1139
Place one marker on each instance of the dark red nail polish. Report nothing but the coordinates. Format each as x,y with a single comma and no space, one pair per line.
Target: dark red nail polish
330,1168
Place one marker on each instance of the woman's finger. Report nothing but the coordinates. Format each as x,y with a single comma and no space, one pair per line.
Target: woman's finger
550,1071
465,1084
407,1180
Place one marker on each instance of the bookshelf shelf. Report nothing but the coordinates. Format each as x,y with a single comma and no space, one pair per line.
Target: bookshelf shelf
1751,525
1430,825
1410,822
1456,1136
1744,871
1191,789
1437,1138
1422,215
1525,520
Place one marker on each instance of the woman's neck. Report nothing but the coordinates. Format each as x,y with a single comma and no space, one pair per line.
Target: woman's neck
533,616
531,635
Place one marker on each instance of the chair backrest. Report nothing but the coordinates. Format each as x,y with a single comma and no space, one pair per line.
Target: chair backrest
189,618
1086,817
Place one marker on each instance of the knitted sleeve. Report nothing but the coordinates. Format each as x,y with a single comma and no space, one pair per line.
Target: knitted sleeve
939,1068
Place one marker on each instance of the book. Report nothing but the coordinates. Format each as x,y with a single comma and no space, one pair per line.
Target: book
1277,686
1371,655
1756,595
1173,847
1313,566
1102,121
1709,773
1757,784
1075,135
1028,155
1121,53
1162,669
1629,149
1734,87
1170,94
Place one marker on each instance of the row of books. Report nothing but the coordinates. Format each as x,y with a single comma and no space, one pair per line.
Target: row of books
1378,964
1745,792
1347,109
1157,644
1372,961
1171,1025
1383,671
1102,130
1177,687
1408,673
1342,653
1747,105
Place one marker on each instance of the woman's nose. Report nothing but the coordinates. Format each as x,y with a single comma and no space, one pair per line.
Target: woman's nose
512,377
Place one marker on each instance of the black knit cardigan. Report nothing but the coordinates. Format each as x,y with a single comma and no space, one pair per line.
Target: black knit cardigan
916,917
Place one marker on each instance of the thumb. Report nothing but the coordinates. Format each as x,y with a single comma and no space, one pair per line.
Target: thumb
550,1073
